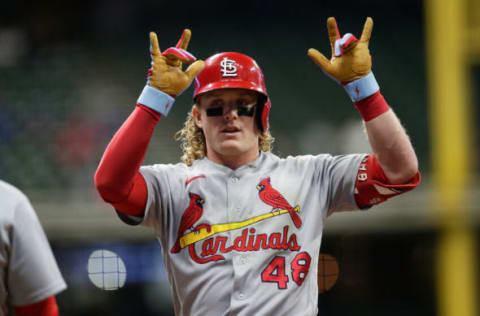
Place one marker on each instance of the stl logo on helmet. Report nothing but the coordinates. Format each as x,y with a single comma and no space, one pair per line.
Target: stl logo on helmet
228,67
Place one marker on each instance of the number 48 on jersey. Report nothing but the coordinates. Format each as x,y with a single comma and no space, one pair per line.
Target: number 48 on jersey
275,270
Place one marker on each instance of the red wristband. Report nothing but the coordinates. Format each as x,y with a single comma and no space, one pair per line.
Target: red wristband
372,106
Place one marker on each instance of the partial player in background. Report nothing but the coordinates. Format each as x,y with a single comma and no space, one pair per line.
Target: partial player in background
241,228
29,275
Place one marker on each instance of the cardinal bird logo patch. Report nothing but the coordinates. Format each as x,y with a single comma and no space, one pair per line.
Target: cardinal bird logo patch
275,199
191,215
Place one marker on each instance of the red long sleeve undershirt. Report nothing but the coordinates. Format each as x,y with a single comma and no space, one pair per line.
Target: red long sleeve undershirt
46,307
372,106
117,178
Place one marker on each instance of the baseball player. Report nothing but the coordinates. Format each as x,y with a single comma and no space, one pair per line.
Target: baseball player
29,275
240,228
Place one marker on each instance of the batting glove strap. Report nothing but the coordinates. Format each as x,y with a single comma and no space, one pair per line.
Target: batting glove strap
156,100
344,42
362,88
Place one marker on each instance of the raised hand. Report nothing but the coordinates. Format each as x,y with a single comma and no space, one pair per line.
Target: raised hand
350,59
166,73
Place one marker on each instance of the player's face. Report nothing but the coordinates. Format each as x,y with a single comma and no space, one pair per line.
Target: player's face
227,118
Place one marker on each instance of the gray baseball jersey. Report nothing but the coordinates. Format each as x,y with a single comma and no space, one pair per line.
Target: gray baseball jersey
28,270
246,241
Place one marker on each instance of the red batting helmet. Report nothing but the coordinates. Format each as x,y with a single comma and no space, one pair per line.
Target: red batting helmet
235,70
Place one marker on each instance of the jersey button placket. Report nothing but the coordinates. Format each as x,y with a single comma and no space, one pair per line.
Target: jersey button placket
239,259
243,259
241,295
233,203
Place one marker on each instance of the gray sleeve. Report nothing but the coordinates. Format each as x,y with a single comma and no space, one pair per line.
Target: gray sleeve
340,172
163,183
33,274
158,187
150,217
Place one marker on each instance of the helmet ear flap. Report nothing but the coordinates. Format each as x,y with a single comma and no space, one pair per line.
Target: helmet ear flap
262,113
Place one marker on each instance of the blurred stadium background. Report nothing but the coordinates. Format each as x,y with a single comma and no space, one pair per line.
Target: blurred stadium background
70,73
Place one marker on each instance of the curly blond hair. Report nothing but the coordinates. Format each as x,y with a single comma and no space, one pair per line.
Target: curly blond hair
193,141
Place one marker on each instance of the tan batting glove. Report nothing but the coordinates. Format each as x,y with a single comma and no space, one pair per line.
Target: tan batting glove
166,79
350,59
167,74
351,63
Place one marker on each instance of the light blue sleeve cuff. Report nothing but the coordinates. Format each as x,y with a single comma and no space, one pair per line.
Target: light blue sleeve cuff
362,88
156,100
